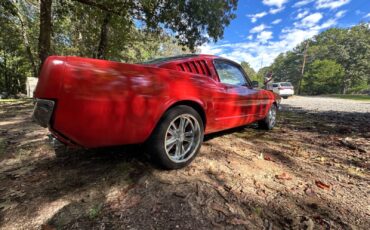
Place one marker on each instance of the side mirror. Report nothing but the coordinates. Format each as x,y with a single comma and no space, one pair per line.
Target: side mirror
255,84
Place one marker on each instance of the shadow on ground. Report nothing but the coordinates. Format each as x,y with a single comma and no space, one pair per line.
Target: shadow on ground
298,176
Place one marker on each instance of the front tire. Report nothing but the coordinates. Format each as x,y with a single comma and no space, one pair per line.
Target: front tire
176,140
269,121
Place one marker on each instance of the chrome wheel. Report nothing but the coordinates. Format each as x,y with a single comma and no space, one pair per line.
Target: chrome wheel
272,116
182,138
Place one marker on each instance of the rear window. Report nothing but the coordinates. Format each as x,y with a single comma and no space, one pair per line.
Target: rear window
286,84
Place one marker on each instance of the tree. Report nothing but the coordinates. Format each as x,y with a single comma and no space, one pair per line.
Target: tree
287,67
119,30
249,70
18,11
349,47
262,73
191,21
45,30
323,76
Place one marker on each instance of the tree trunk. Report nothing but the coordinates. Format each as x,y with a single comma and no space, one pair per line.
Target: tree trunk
26,41
100,53
344,85
303,66
45,30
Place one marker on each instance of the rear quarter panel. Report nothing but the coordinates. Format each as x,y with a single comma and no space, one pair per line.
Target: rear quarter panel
104,103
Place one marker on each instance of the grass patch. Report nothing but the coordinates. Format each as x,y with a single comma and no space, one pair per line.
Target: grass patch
15,100
95,211
351,97
257,211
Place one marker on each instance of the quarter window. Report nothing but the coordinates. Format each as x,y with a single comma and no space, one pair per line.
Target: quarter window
229,73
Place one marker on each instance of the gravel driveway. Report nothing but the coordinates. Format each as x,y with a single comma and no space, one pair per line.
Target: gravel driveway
324,104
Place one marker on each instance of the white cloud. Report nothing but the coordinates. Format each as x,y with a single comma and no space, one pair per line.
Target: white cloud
367,15
277,21
302,3
309,21
254,17
277,3
302,14
276,10
332,4
327,24
209,49
340,14
258,29
262,51
264,36
262,46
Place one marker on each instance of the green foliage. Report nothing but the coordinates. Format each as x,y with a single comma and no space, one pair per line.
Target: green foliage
134,31
323,76
14,65
347,49
260,76
251,73
351,97
287,67
95,211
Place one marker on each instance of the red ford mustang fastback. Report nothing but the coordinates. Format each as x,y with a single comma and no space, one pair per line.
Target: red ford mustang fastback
167,103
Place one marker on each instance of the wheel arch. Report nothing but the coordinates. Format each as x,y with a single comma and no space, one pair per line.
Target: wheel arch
193,104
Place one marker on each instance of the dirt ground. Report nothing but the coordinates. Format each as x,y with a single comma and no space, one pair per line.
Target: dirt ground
310,172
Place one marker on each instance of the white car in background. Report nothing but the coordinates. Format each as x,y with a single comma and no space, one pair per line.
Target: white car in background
284,89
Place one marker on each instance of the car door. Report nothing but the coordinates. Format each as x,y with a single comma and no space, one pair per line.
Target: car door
239,102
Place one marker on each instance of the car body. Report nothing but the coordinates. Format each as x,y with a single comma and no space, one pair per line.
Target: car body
284,89
96,103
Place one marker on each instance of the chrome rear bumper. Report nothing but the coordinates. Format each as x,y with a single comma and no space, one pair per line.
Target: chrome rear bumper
43,111
53,141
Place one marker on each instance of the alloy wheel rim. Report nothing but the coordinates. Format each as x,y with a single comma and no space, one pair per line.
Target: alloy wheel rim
182,138
272,115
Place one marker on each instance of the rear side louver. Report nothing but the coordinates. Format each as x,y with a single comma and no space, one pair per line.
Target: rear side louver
197,67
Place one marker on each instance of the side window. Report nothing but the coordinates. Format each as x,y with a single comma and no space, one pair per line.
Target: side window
229,73
274,85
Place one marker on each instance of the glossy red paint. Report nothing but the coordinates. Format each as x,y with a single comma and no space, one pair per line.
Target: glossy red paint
104,103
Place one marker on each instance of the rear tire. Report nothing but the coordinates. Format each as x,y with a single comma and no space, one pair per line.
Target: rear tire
269,121
176,140
285,97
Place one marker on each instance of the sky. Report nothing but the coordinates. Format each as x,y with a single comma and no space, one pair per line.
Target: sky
265,28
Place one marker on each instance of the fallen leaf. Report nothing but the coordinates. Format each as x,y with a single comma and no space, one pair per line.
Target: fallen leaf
283,176
267,158
322,185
